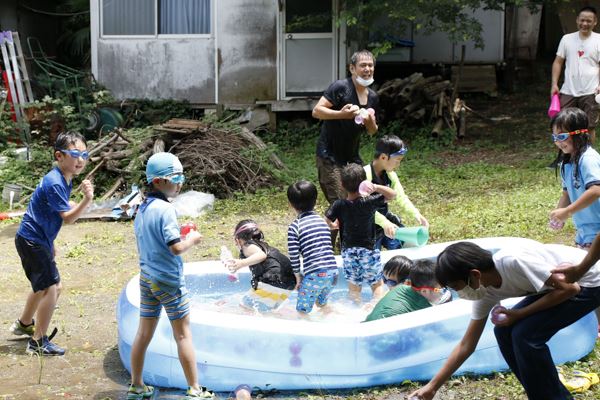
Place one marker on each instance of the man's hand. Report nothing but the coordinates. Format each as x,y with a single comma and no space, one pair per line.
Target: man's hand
349,111
568,272
511,316
554,89
424,393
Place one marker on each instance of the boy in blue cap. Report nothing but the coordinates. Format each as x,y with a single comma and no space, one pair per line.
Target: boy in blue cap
48,209
162,283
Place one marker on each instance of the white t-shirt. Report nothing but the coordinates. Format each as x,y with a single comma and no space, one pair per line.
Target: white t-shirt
581,66
524,271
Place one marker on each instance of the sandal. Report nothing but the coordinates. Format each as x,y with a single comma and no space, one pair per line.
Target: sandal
577,381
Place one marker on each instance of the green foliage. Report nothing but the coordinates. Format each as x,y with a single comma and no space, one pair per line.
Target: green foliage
24,172
380,20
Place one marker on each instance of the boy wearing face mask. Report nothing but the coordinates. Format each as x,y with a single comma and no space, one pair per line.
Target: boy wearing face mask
550,305
423,291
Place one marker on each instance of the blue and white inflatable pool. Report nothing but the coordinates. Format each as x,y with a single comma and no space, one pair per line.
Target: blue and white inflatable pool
294,354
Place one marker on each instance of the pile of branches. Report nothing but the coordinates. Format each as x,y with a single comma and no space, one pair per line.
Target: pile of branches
220,161
416,99
223,161
116,155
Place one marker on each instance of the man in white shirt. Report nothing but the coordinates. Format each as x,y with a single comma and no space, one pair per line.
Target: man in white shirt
551,304
581,51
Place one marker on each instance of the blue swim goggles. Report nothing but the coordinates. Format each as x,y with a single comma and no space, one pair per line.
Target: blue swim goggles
561,137
400,152
176,179
76,153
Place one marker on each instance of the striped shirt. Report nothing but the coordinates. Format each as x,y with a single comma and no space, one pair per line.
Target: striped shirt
309,237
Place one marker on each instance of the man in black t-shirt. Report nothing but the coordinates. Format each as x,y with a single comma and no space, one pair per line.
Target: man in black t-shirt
339,141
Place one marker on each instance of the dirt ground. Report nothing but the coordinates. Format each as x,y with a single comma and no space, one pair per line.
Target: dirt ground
96,260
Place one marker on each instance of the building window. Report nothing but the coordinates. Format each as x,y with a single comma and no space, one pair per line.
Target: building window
155,17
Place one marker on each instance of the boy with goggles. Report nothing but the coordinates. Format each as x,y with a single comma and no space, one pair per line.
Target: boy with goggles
48,209
162,283
389,151
423,291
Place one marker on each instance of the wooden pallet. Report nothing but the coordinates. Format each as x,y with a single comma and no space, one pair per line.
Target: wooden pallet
476,78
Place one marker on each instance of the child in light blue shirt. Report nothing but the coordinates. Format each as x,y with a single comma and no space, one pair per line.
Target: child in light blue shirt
580,172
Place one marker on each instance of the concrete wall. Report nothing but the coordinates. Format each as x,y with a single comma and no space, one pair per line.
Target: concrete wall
158,68
247,46
245,33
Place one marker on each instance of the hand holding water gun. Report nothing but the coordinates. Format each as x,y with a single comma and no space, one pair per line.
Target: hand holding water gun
362,114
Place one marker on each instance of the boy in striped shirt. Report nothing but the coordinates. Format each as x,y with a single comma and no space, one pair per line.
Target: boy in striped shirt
309,239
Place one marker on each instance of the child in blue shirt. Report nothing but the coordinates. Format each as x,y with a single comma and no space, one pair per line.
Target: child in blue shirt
355,217
162,282
580,172
309,241
48,209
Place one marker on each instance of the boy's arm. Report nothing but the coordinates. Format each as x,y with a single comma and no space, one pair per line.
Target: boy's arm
191,239
404,202
332,224
387,192
294,250
574,273
561,291
74,213
461,352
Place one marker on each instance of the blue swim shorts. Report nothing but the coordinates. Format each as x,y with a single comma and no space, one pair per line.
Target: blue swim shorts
153,298
316,287
362,265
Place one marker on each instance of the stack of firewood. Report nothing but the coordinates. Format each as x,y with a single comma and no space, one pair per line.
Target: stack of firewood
416,99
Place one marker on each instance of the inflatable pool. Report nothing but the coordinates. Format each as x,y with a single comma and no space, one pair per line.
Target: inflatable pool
289,354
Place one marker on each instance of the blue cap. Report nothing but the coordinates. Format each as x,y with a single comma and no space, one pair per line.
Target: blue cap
161,165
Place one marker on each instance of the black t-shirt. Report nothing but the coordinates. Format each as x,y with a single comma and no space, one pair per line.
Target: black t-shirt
276,270
357,220
383,180
340,138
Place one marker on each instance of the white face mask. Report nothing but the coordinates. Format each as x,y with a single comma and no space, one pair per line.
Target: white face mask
364,82
468,293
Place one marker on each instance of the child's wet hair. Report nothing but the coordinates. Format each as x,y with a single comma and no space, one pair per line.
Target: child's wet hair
352,175
398,268
68,138
569,120
423,274
388,144
302,195
248,229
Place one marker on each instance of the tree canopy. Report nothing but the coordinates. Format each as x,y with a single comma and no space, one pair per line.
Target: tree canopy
374,23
